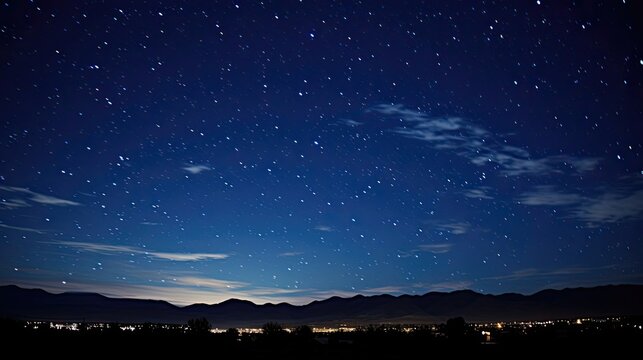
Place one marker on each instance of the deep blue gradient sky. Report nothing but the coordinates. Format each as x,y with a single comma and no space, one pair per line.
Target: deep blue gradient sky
291,151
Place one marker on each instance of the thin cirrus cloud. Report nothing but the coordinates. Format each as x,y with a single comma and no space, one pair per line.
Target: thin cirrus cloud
27,195
20,228
456,228
478,145
124,249
324,228
351,123
291,253
391,290
215,284
430,248
221,290
549,196
620,204
196,169
523,274
435,248
479,193
13,203
446,286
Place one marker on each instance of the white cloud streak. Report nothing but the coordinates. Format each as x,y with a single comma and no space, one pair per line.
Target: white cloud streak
477,144
547,195
351,123
196,169
458,228
26,229
13,204
324,228
211,283
611,207
187,256
616,205
523,274
480,193
291,253
430,248
447,286
124,249
391,290
435,248
33,196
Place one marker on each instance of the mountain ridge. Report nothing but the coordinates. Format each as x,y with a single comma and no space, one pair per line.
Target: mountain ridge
432,307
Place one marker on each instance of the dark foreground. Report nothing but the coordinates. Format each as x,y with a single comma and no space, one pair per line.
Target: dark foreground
613,337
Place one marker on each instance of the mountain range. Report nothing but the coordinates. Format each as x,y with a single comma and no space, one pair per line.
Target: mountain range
433,307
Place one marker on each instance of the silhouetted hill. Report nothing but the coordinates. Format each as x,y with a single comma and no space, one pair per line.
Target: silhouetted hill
36,304
433,307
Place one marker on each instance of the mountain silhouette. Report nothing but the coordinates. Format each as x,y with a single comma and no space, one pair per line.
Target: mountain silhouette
433,307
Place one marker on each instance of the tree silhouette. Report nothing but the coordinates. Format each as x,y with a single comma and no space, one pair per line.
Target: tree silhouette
456,328
272,329
304,334
199,326
232,334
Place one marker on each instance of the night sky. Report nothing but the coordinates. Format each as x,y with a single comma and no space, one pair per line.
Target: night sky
291,151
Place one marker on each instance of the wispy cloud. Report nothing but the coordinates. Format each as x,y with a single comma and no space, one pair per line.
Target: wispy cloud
620,204
391,290
430,248
548,195
435,248
457,228
611,207
324,228
215,284
351,123
291,253
228,289
539,273
196,169
479,193
34,197
13,203
478,145
37,231
124,249
611,278
325,294
400,111
149,223
187,256
51,200
446,285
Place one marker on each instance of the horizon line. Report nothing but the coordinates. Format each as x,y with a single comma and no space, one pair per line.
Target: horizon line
358,295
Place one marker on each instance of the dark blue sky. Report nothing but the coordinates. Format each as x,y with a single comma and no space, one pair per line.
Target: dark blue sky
291,151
